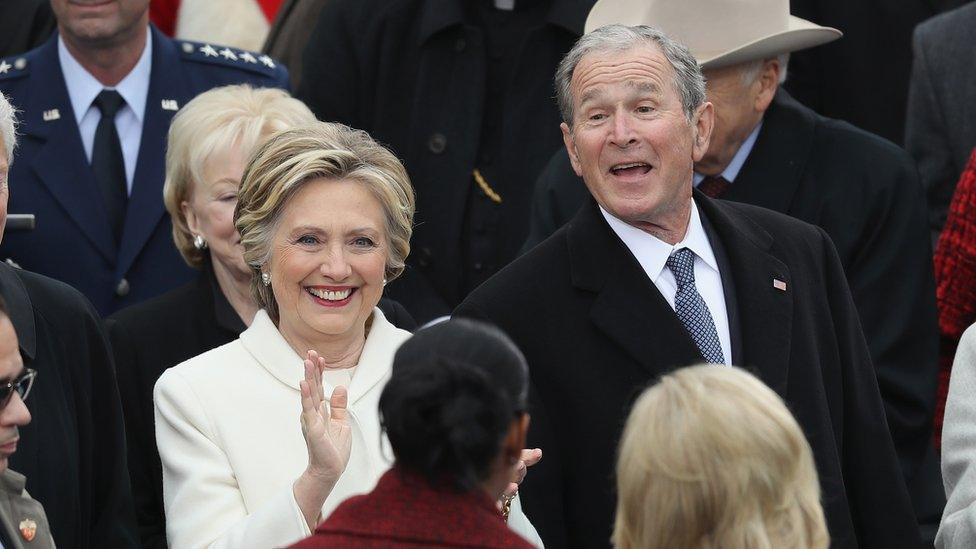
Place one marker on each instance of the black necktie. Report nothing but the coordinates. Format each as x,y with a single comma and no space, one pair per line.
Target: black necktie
107,162
713,186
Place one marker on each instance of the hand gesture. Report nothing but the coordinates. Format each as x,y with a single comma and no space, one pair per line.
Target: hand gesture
327,434
527,459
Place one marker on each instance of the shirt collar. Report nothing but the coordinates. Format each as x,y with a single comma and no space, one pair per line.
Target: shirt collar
83,88
653,253
735,166
438,15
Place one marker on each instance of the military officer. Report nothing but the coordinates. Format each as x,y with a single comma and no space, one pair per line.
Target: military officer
94,186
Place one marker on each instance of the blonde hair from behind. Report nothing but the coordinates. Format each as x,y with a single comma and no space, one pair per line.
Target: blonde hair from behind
324,150
209,126
711,458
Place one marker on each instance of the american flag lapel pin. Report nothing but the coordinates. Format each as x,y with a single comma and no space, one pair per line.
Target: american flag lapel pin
779,284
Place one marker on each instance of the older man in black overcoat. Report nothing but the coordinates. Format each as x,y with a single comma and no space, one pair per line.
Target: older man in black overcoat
649,277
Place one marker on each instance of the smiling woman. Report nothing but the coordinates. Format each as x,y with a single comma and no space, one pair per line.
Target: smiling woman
325,217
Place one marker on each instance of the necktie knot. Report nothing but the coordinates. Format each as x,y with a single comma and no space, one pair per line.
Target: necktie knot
713,186
109,102
682,265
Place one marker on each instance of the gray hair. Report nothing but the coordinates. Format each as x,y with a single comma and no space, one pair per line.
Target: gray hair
8,127
688,80
752,69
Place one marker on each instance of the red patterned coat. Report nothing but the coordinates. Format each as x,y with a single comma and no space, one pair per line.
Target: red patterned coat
406,512
955,278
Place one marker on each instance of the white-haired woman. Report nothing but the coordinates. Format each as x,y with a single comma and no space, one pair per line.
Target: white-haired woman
325,216
711,458
210,140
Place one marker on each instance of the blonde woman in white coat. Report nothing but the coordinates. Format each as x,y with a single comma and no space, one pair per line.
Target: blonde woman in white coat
325,217
958,527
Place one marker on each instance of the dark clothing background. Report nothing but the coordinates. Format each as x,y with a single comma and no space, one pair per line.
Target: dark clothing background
865,193
73,450
290,32
863,77
404,511
596,331
24,25
416,75
155,335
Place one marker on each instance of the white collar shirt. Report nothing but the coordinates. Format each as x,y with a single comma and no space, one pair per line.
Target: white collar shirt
83,88
653,253
735,166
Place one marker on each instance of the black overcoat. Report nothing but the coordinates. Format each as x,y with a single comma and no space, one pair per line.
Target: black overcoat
595,331
73,450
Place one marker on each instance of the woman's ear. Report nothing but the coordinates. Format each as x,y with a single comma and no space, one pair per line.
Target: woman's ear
190,216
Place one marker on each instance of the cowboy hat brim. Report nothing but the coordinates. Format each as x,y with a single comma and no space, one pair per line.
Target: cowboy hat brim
799,35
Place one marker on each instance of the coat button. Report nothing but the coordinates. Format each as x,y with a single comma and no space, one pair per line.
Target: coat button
122,289
437,143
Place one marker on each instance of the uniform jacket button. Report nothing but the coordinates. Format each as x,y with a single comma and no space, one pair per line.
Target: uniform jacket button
122,289
437,143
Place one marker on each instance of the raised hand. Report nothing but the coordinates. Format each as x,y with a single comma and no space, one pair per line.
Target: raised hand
327,433
527,459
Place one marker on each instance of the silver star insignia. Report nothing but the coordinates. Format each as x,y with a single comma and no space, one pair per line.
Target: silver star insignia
228,54
267,61
4,67
246,55
208,50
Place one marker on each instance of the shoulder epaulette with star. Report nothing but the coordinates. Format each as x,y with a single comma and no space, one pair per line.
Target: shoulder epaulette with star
14,67
229,57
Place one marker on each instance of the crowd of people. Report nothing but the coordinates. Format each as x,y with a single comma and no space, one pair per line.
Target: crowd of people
501,273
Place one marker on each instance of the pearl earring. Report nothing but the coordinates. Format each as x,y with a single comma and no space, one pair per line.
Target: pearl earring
199,243
266,278
384,281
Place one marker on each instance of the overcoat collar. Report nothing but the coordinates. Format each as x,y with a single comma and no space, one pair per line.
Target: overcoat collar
21,309
437,15
61,164
630,310
774,169
270,349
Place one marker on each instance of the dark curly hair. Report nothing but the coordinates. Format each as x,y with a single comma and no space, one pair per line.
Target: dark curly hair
454,391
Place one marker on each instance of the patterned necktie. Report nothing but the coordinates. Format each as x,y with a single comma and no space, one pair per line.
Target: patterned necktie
107,161
691,308
713,186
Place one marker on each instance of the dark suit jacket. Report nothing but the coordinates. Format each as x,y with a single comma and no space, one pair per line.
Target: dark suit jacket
940,130
154,335
864,192
51,177
596,331
73,450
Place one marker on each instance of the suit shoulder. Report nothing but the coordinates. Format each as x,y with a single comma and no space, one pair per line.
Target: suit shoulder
207,56
946,27
169,311
775,223
17,67
53,298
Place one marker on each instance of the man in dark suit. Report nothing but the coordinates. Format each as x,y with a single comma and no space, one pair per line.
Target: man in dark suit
649,276
940,131
96,188
771,151
73,452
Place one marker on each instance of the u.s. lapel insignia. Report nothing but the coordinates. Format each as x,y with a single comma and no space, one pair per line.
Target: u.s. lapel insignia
170,105
28,529
779,284
51,115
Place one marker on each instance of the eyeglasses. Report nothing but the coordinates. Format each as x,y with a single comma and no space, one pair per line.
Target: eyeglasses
22,384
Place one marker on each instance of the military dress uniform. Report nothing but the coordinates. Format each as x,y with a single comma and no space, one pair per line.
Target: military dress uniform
52,178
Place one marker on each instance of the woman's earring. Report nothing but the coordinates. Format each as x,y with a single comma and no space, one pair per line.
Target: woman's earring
199,243
266,278
384,281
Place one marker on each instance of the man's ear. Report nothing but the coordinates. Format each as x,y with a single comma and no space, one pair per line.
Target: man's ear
768,83
570,144
703,122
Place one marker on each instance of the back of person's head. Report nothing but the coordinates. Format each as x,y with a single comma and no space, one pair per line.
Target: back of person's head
711,458
455,403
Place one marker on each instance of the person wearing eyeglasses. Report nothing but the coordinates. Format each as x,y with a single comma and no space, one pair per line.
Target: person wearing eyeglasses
23,523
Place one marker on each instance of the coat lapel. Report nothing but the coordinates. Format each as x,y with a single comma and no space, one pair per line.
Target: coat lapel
145,209
765,311
60,163
628,308
774,168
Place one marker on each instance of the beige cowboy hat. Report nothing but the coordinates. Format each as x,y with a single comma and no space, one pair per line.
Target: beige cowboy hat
718,32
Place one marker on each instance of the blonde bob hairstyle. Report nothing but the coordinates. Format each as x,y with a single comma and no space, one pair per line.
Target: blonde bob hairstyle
324,150
711,458
208,127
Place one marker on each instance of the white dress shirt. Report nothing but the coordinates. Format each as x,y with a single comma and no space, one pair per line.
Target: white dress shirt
83,88
653,254
735,166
